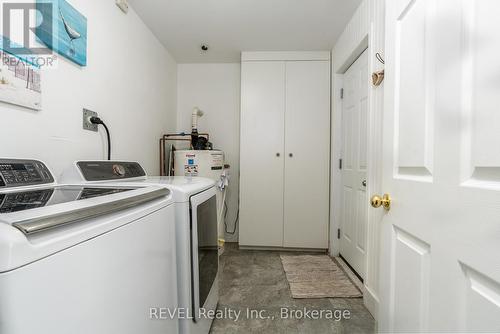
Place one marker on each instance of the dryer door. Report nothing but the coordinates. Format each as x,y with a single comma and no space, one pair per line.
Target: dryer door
205,257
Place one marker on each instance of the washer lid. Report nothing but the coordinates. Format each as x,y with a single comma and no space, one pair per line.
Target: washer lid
29,235
182,187
80,204
36,198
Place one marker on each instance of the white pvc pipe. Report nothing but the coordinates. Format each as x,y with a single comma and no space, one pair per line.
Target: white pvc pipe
197,113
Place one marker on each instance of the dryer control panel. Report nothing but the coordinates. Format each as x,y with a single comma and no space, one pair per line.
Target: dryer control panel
19,173
110,170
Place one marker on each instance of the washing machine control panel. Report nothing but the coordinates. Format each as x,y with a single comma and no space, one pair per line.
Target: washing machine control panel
110,170
19,173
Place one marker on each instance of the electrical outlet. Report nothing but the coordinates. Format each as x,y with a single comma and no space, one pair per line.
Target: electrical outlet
87,125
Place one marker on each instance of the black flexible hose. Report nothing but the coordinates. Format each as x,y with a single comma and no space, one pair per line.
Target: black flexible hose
235,222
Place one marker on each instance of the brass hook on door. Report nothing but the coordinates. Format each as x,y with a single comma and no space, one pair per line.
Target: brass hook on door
378,77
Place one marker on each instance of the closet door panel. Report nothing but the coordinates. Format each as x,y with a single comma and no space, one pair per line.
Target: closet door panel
307,154
262,153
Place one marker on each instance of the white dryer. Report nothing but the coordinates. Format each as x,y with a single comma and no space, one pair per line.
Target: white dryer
196,233
83,258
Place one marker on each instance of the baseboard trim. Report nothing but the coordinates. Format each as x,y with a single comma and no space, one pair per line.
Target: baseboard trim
284,249
353,276
371,302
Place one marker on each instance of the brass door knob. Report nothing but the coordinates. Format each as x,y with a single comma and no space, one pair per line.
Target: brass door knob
384,201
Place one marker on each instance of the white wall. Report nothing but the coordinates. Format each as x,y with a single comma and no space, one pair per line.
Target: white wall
130,81
215,89
365,29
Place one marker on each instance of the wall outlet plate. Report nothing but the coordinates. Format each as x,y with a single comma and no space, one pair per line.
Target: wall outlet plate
87,114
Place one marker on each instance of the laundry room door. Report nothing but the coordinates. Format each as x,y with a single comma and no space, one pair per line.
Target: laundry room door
354,206
440,267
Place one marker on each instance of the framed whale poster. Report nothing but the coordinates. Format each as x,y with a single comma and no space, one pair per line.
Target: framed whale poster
69,30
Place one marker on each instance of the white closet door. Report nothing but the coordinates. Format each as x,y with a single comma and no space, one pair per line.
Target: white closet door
262,146
307,157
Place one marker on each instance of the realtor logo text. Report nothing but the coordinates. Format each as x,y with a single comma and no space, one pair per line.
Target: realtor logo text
164,313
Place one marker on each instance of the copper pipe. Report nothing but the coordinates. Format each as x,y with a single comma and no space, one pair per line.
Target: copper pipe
168,136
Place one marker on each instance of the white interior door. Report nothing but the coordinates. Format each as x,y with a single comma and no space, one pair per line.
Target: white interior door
441,239
262,146
353,225
307,154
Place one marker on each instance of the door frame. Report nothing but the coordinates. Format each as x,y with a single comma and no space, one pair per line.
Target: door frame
372,41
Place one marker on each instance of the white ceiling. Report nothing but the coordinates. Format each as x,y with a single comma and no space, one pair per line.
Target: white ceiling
232,26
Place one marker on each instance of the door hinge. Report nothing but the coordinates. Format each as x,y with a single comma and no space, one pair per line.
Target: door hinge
338,233
342,93
340,163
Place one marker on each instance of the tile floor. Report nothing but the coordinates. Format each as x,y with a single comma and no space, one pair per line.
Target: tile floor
255,281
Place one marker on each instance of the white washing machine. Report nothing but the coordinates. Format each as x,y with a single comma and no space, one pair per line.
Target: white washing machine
196,233
83,258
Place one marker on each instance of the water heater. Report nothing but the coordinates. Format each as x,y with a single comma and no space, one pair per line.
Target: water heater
209,164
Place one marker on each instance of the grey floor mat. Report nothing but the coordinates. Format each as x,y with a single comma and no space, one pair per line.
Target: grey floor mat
317,276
